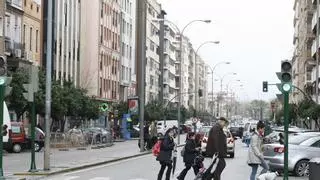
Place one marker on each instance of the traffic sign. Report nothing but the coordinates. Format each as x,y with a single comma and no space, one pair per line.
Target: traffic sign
104,107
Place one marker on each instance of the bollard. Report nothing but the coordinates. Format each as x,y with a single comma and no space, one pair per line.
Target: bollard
314,169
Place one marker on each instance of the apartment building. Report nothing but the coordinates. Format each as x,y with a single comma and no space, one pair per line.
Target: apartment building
31,46
304,42
2,25
169,80
100,49
13,40
202,84
66,39
127,39
191,76
152,54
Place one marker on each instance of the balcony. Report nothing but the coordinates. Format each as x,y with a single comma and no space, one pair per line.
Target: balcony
314,19
15,4
314,47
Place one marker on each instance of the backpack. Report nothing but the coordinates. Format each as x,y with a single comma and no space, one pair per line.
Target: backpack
156,148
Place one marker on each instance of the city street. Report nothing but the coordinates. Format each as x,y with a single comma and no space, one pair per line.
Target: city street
146,168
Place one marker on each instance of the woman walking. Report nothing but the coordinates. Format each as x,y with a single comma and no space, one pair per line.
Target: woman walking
191,151
255,157
165,156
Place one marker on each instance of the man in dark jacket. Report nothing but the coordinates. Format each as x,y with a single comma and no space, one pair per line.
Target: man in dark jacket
217,143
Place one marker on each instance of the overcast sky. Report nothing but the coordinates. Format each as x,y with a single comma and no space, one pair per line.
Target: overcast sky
255,36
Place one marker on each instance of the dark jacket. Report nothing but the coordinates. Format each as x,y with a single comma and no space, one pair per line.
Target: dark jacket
217,142
190,152
166,149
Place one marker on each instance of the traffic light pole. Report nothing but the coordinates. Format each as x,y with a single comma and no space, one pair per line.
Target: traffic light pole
2,89
33,134
286,128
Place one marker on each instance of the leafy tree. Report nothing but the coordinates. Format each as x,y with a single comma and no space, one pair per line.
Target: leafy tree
154,110
16,100
40,95
122,108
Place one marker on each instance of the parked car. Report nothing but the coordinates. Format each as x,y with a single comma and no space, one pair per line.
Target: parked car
302,148
236,131
97,135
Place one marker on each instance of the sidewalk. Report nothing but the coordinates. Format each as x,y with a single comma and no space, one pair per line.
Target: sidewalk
64,161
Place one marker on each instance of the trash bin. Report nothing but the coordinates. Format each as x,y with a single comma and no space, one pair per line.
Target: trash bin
314,169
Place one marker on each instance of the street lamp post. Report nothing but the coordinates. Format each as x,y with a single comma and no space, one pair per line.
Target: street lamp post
197,70
221,81
212,74
180,67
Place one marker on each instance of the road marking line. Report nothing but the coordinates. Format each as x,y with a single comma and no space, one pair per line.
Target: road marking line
106,165
100,178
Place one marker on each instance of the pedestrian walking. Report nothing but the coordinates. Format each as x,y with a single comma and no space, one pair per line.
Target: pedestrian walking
146,136
153,133
190,153
217,144
165,155
255,157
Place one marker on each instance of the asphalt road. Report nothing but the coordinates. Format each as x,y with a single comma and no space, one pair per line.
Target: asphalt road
146,168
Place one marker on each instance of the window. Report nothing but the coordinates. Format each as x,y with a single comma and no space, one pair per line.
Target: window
15,129
30,39
151,80
31,6
37,38
65,14
151,46
25,2
130,53
38,8
101,11
101,34
316,144
1,26
123,72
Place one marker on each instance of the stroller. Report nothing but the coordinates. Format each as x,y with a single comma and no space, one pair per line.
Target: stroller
204,174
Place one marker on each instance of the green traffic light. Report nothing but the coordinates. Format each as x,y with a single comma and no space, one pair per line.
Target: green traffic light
286,87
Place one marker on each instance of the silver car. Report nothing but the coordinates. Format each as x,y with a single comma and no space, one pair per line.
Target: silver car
302,148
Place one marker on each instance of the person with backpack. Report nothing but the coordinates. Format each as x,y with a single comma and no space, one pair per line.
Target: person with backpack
190,153
165,155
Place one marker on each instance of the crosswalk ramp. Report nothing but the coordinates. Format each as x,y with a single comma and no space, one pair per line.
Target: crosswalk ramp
93,178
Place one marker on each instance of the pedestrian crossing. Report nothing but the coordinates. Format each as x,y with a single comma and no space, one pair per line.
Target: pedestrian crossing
93,178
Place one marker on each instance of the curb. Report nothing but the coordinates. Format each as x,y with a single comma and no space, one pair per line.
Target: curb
83,166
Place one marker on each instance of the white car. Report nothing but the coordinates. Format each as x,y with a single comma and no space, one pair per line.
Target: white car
230,143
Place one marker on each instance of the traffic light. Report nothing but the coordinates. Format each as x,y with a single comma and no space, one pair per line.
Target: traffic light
4,130
200,93
265,86
285,76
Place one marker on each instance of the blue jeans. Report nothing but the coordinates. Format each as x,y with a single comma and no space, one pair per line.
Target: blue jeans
254,167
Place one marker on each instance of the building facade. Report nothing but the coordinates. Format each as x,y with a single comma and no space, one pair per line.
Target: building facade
304,42
169,80
152,53
100,49
127,39
191,76
13,33
2,26
66,39
31,46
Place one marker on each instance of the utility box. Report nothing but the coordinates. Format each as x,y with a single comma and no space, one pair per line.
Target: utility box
314,169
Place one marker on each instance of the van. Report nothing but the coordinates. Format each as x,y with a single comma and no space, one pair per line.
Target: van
7,122
249,127
162,128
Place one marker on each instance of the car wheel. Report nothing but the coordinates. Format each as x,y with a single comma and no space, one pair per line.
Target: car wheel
37,147
302,168
231,155
16,148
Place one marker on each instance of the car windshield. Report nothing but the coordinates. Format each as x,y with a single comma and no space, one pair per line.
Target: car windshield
205,129
298,139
